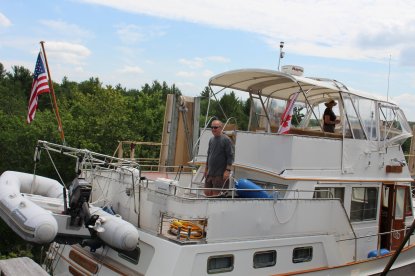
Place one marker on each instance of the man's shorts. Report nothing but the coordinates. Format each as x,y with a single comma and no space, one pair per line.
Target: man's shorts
216,182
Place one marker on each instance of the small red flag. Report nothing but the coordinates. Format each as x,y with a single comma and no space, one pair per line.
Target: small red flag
287,115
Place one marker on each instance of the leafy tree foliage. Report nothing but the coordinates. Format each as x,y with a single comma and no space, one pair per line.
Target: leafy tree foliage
237,111
94,116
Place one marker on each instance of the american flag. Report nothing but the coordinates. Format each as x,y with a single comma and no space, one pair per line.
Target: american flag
39,85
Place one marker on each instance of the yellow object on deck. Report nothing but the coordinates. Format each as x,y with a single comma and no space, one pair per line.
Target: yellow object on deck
186,228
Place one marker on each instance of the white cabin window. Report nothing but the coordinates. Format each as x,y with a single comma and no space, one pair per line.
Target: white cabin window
400,201
354,126
364,203
219,264
274,109
329,192
302,254
367,112
265,258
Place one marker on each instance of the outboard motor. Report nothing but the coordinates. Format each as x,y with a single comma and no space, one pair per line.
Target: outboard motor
79,193
104,228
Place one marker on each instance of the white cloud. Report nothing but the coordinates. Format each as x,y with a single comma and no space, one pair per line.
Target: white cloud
407,56
407,103
352,29
63,27
185,74
66,52
207,73
199,62
219,59
132,34
189,88
131,70
192,63
4,21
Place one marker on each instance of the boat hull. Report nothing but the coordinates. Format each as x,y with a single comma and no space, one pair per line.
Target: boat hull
161,257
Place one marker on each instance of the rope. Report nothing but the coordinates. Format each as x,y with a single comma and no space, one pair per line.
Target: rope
292,214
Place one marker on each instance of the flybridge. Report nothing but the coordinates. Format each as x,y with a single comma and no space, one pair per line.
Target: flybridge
362,116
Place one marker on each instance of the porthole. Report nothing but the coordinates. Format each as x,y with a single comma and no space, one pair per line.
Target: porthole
302,254
131,256
219,264
265,258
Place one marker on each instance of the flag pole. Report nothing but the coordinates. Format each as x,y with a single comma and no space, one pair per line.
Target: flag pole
58,118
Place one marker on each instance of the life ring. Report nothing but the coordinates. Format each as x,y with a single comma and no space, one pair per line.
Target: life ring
196,232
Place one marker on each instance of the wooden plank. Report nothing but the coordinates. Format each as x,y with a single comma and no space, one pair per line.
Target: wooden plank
181,155
116,267
21,266
393,169
83,261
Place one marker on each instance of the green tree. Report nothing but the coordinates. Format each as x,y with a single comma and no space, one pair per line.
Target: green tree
236,110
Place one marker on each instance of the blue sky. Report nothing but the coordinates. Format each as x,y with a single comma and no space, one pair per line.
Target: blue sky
185,42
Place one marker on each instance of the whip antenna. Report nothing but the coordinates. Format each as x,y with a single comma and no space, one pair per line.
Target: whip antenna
389,74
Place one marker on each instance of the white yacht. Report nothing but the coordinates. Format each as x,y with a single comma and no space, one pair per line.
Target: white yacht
301,200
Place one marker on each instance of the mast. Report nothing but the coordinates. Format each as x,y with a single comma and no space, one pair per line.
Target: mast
54,103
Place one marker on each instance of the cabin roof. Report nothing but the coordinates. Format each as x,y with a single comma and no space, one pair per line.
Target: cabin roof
279,85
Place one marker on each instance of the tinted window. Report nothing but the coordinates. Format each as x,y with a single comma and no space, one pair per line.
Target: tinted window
364,204
131,256
265,259
329,192
218,264
302,254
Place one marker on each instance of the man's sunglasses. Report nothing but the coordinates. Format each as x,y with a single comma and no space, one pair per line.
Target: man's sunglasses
215,127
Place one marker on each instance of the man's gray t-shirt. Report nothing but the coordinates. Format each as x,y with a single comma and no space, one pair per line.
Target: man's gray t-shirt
219,155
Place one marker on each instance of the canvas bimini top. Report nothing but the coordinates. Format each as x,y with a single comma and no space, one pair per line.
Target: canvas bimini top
280,85
363,115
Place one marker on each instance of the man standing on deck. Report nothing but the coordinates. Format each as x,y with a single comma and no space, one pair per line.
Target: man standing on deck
219,160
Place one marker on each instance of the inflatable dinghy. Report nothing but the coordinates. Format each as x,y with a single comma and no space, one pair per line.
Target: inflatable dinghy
39,225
